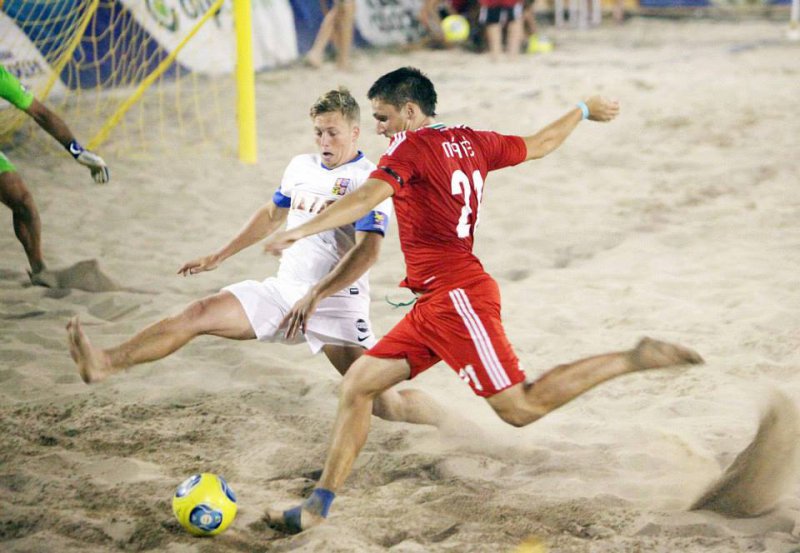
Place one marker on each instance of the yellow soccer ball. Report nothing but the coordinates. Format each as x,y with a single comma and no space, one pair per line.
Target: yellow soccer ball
531,545
204,504
455,28
539,45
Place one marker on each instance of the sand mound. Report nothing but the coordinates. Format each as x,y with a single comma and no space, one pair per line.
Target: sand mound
765,471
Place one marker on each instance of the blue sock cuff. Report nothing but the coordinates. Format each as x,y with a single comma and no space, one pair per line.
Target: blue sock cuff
320,501
291,519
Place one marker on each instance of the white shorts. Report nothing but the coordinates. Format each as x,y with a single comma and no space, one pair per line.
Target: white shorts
338,320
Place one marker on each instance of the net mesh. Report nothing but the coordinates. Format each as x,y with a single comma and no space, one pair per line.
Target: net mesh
88,59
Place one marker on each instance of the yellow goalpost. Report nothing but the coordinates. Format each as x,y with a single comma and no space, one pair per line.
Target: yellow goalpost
245,81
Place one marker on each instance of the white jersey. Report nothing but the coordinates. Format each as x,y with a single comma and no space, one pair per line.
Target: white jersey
307,188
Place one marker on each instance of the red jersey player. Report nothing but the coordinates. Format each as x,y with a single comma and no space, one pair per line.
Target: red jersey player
436,176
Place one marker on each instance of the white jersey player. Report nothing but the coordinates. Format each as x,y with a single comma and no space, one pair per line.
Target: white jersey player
324,275
308,187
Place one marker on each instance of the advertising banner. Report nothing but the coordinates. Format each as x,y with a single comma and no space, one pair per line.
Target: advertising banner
385,22
274,35
19,55
212,50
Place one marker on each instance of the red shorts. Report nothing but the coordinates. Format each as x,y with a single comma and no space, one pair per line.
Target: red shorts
461,327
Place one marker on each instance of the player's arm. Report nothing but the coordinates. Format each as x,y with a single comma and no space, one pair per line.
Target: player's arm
554,134
343,212
355,263
57,128
264,222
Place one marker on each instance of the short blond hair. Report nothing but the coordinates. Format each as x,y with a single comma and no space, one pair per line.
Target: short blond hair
337,100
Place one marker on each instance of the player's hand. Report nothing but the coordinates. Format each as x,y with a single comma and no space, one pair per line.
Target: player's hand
278,242
91,160
602,109
297,319
199,265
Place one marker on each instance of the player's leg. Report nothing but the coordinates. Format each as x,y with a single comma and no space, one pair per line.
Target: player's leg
220,315
365,380
526,402
494,40
472,340
515,31
343,38
413,406
529,18
489,19
316,55
27,225
619,11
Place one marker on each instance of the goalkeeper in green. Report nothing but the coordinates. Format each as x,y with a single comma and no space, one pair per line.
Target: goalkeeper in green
13,191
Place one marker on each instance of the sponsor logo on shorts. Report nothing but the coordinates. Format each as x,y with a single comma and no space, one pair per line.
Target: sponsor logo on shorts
353,291
362,327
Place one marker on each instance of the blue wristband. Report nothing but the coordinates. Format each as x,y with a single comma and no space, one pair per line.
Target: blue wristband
584,109
75,149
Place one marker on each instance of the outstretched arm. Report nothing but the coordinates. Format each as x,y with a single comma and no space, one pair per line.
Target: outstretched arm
554,134
51,123
355,263
264,222
58,129
347,210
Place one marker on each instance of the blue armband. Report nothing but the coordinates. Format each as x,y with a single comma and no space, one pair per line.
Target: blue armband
374,221
280,200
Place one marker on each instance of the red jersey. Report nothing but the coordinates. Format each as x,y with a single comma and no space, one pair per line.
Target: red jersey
499,3
437,174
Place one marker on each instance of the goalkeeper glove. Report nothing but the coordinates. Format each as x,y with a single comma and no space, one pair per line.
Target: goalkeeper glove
91,160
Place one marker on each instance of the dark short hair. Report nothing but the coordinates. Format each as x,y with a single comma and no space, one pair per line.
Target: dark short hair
407,84
337,100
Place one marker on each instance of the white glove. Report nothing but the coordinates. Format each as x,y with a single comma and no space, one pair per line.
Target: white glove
91,160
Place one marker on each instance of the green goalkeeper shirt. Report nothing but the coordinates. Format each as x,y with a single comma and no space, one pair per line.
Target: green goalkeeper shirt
13,90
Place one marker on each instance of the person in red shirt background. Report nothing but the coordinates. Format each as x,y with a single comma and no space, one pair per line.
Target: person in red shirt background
436,175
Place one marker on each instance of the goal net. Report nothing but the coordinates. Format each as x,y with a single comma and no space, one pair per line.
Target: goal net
124,71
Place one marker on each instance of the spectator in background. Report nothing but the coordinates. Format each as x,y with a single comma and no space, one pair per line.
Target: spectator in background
502,17
434,11
529,19
535,43
618,11
430,17
336,27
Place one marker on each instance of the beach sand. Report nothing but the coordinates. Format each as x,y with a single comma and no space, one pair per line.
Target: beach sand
680,220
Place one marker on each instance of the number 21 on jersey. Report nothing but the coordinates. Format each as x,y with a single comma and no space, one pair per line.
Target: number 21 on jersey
460,184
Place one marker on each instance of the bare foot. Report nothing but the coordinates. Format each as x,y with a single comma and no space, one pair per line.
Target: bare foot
313,59
48,279
654,354
93,363
292,521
